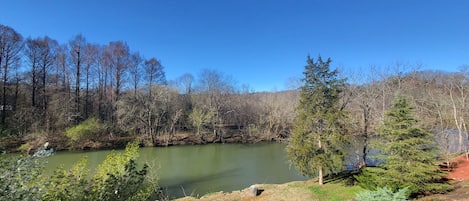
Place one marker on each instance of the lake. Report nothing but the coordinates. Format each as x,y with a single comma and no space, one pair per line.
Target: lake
200,169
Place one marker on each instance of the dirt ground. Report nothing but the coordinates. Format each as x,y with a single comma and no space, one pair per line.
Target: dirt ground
459,177
461,171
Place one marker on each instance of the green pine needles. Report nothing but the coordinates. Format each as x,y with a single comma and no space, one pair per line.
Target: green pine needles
408,155
382,194
316,147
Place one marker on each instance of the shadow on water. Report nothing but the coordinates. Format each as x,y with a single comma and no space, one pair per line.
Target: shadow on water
188,186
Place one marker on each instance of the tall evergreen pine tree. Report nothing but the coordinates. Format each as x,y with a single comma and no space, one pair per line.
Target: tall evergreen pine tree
407,153
316,147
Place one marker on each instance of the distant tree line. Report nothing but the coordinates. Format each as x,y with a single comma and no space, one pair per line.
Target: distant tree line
52,91
48,89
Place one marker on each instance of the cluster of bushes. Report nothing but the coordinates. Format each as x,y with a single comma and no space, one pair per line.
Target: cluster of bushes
118,177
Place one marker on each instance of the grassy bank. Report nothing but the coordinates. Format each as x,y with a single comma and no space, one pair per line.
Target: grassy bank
309,190
297,190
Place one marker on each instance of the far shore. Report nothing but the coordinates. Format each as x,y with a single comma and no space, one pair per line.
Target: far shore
118,142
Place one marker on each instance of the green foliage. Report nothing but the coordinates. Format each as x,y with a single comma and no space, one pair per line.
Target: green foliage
114,164
383,194
407,153
68,185
24,147
117,178
199,118
85,130
126,185
318,141
369,177
19,178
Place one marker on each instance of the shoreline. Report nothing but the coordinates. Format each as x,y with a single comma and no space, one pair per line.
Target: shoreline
165,140
289,191
259,192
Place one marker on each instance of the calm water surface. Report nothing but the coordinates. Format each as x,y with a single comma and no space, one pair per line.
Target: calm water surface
200,169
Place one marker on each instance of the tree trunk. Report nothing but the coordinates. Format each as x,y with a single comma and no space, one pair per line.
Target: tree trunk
17,89
320,176
456,121
366,112
45,122
77,84
87,88
467,136
33,83
4,96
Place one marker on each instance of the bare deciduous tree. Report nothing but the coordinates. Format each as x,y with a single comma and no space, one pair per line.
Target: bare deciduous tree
457,93
135,70
154,73
77,45
11,43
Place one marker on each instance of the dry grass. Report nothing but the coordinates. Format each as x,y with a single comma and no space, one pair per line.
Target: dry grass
292,191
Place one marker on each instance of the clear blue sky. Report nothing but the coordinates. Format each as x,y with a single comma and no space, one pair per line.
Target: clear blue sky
259,42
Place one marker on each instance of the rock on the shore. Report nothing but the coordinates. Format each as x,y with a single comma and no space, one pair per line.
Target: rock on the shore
254,190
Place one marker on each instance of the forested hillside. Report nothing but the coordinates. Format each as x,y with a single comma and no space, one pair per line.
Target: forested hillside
80,93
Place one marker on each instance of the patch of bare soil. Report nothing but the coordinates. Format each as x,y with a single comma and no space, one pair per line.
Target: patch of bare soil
459,176
461,170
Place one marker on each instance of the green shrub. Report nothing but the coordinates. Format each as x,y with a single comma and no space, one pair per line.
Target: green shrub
118,177
67,185
369,177
383,194
85,130
126,185
24,147
20,177
115,162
